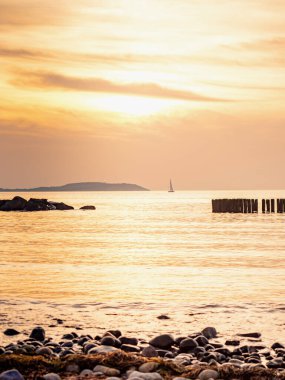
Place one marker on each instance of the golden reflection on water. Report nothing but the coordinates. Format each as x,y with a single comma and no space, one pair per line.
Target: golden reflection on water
145,246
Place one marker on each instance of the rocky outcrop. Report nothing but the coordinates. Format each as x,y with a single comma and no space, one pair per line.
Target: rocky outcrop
33,204
88,208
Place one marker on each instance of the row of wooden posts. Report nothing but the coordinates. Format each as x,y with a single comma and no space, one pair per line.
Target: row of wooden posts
248,206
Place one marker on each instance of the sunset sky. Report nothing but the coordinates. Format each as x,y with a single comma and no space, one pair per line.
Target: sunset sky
143,90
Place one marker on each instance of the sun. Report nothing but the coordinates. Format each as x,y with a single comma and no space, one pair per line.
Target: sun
128,105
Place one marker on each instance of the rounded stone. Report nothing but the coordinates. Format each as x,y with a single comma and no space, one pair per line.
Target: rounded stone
110,341
201,340
207,374
38,333
102,350
45,351
11,332
163,341
277,345
130,348
108,371
148,367
145,376
126,340
188,344
52,376
86,373
149,352
209,332
12,374
73,368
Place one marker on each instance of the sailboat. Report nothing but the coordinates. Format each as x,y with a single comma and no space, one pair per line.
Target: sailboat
170,187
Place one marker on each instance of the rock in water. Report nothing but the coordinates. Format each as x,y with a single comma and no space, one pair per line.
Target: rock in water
12,374
61,206
38,333
209,332
16,204
11,332
163,341
88,208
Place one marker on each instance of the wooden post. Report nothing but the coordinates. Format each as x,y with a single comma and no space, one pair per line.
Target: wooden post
267,205
263,206
245,206
272,205
254,205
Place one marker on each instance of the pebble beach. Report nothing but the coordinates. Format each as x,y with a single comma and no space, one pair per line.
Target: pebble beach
113,355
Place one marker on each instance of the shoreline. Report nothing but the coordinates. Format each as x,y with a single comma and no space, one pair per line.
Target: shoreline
167,356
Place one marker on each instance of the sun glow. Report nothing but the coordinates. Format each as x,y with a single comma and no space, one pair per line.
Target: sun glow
129,105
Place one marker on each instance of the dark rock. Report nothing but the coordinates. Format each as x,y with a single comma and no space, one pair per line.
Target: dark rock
209,332
38,205
11,332
110,341
67,336
11,374
44,351
250,335
187,344
67,344
163,317
130,348
201,340
116,333
277,345
225,351
276,363
149,352
61,206
82,340
162,353
179,339
38,333
163,341
16,204
126,340
2,350
232,343
88,208
207,374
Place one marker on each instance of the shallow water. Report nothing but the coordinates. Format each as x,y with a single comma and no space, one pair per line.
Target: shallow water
141,254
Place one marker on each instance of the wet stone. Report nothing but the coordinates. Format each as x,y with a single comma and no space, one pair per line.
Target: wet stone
163,341
38,333
277,345
108,371
149,352
126,340
11,374
11,332
209,332
232,342
187,344
86,373
130,348
148,367
51,376
208,374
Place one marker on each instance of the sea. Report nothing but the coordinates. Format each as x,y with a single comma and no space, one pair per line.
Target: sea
140,256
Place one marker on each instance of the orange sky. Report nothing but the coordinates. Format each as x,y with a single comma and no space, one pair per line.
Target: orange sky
143,90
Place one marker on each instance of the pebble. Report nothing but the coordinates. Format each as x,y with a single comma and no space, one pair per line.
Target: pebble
45,351
148,367
73,368
38,333
149,352
188,344
208,374
85,373
163,341
11,332
52,376
108,371
209,332
102,350
12,374
145,375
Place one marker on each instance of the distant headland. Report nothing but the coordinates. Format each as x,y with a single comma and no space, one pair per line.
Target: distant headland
83,186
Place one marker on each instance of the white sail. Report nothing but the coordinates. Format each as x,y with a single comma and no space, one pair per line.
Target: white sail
170,187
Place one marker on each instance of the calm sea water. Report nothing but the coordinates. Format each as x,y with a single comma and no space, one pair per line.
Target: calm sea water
142,254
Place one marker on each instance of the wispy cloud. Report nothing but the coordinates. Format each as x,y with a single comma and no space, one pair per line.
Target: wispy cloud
49,80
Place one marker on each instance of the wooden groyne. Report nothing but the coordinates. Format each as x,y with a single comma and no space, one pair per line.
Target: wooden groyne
248,206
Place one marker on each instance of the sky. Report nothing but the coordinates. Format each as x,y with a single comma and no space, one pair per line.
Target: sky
142,91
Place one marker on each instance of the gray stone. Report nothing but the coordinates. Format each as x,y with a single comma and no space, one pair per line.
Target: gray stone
86,373
148,367
232,342
126,340
108,371
11,374
102,350
73,368
207,374
52,376
44,351
163,341
130,348
38,333
145,376
209,332
251,335
149,352
188,344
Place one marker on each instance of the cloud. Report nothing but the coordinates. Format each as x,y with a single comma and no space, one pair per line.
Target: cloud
49,80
